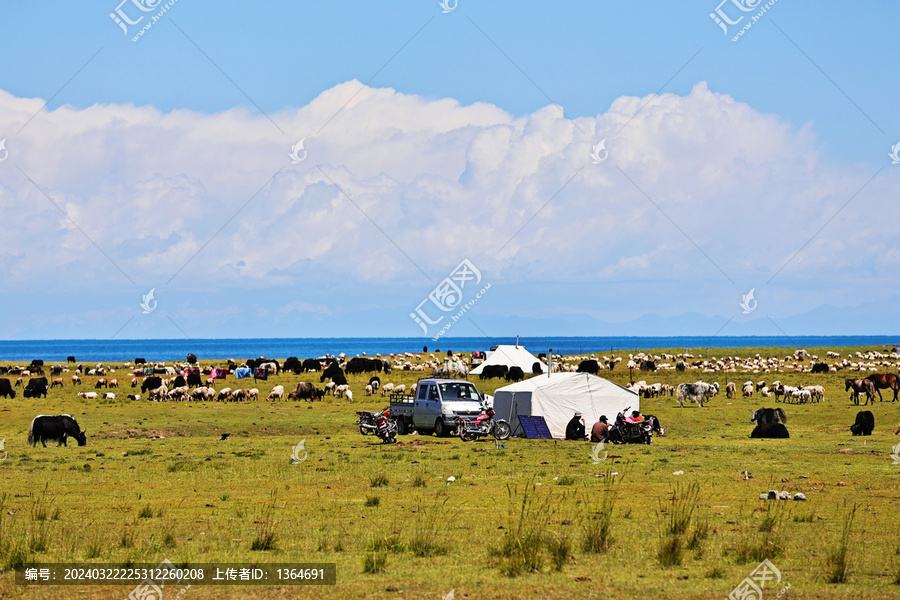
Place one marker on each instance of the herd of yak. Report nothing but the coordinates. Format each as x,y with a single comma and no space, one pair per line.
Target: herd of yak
770,422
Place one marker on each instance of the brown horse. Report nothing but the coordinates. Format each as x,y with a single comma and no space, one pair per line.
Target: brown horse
860,385
889,381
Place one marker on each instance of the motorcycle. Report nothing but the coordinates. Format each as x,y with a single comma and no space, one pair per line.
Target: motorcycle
623,432
471,429
386,428
368,421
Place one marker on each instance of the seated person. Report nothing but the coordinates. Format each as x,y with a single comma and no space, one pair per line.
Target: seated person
575,428
635,417
600,430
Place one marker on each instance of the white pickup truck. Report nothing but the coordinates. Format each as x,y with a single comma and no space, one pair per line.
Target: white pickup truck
436,406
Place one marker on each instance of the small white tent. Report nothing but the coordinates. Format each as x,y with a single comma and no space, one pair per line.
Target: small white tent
558,396
511,356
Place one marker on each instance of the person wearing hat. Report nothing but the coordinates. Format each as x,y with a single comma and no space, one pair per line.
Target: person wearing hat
575,429
635,417
600,430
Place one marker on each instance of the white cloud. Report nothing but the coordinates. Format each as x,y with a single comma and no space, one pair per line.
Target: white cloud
441,181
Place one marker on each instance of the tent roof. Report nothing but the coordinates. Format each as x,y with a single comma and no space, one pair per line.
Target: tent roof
568,384
557,396
511,356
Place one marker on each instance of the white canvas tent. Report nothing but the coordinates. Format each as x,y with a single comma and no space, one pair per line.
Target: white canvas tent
511,356
559,396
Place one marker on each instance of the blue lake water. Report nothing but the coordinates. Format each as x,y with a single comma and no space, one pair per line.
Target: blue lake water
161,350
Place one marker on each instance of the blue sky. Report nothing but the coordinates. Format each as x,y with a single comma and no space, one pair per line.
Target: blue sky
752,151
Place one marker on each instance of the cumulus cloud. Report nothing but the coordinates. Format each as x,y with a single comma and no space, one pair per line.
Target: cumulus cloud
396,184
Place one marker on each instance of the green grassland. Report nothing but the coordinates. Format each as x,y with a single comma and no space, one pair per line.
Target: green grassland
533,519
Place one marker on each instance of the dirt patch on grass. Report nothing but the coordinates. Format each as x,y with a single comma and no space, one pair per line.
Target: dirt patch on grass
140,434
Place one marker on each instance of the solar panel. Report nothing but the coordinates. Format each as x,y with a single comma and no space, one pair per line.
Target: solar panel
540,425
528,426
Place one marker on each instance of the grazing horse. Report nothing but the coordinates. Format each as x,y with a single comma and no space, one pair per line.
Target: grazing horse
860,385
881,382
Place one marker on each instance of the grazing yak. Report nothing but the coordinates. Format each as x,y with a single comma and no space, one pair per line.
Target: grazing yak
311,364
819,368
515,374
772,431
292,364
588,366
764,416
865,423
57,428
491,371
6,389
192,358
335,373
537,368
194,380
694,392
360,364
37,387
151,383
305,391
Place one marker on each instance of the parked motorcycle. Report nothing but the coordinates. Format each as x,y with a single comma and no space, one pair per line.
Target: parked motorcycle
623,432
368,421
386,428
483,425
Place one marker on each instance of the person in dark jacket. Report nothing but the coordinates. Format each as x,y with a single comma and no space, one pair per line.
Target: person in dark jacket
575,429
600,430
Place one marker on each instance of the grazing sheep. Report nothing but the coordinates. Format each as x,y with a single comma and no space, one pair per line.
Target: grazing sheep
340,390
56,382
114,383
253,394
277,393
109,396
224,394
400,389
329,387
730,389
76,380
369,390
349,395
88,395
747,390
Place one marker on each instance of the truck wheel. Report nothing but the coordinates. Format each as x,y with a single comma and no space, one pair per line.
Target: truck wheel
440,429
402,427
